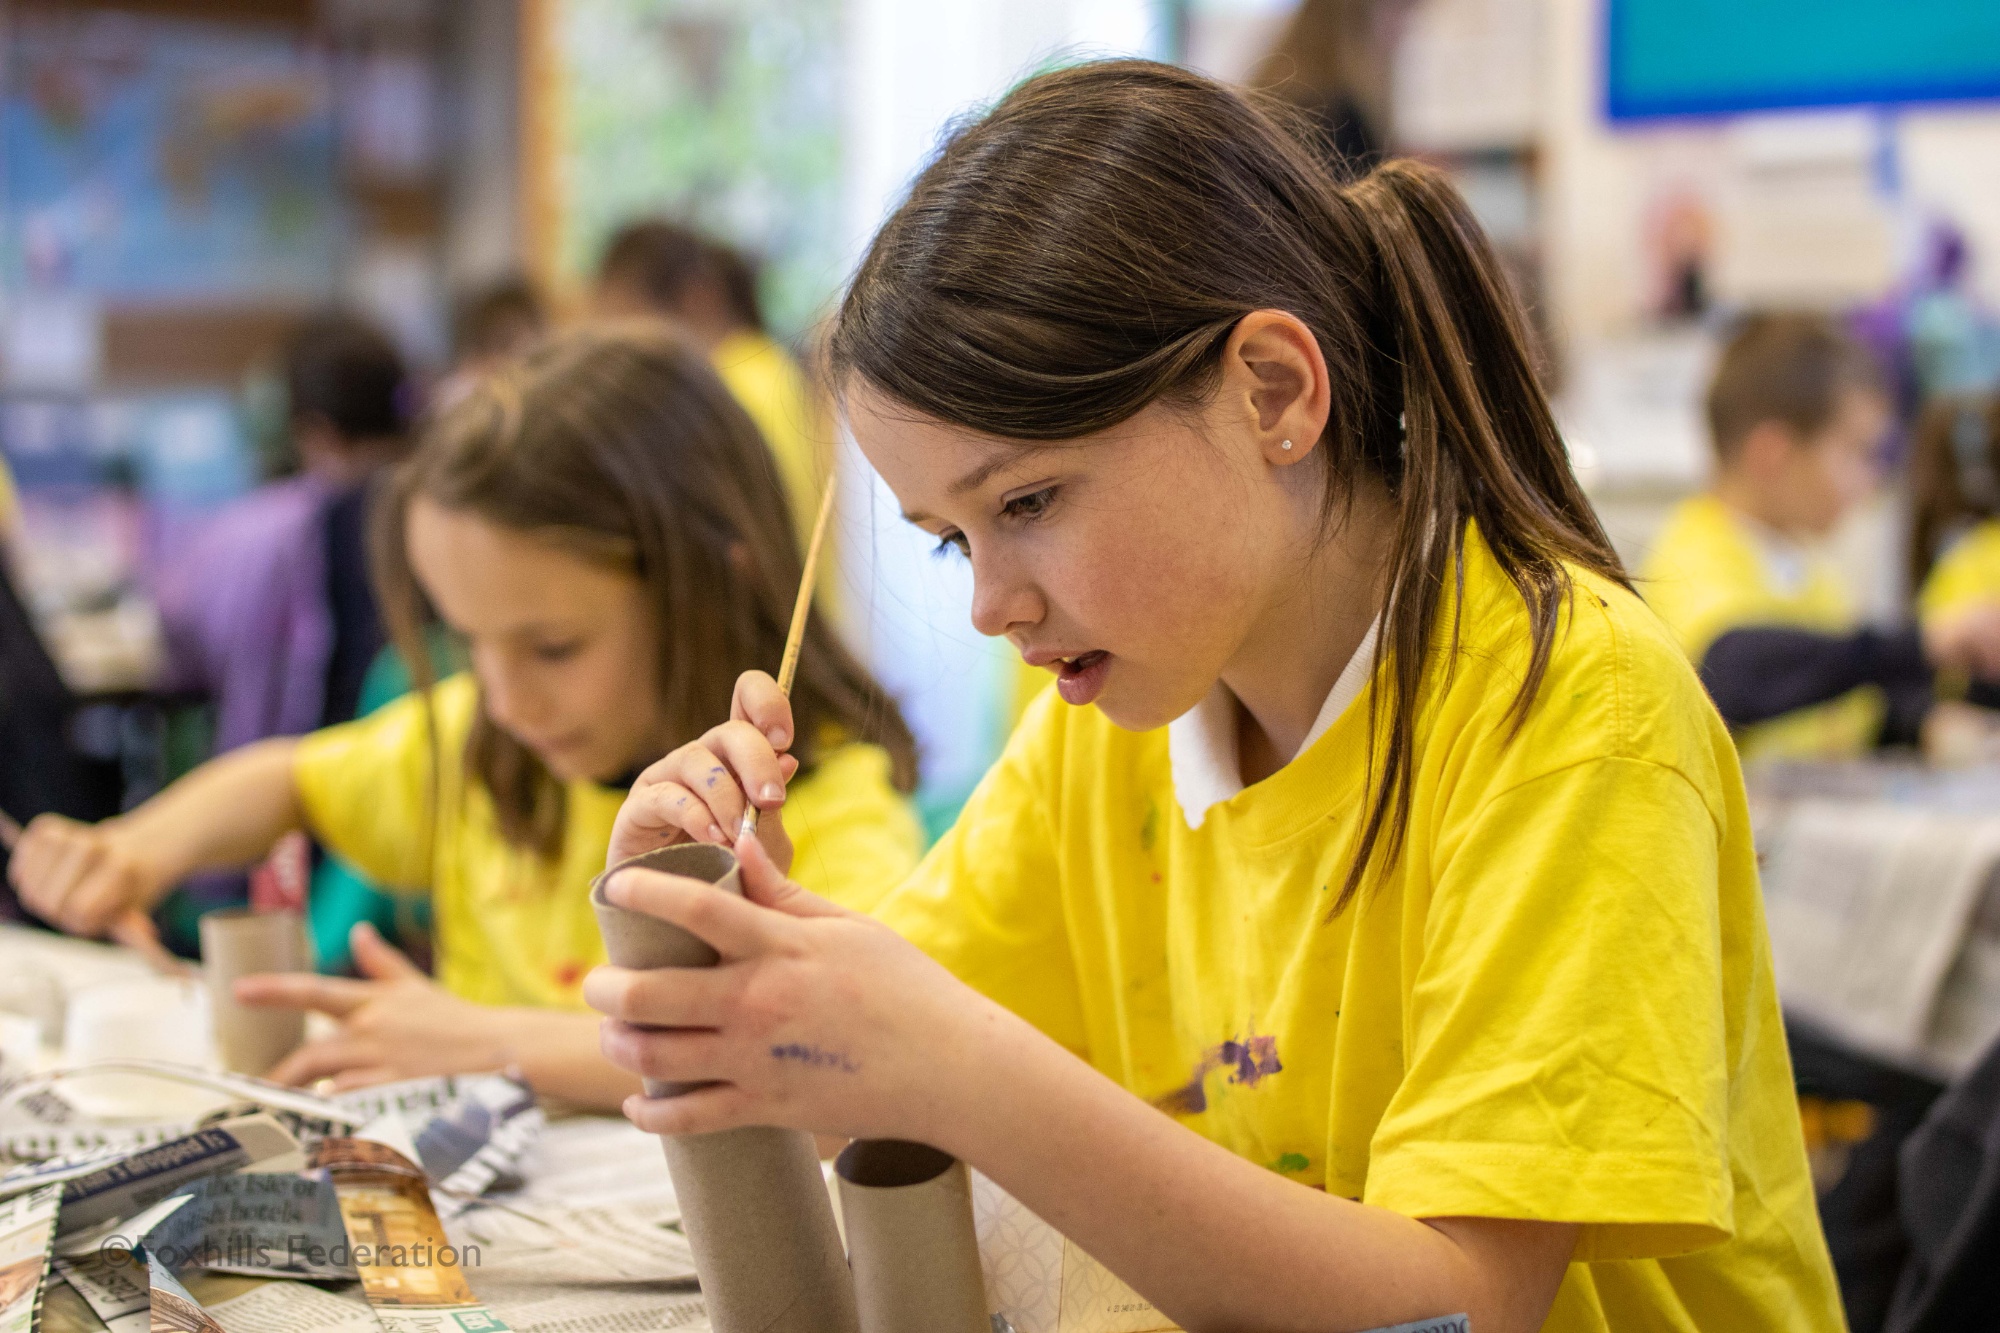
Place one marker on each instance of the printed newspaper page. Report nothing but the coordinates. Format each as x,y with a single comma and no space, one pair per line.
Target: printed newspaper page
1869,907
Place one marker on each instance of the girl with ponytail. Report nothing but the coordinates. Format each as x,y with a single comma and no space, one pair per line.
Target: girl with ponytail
1367,929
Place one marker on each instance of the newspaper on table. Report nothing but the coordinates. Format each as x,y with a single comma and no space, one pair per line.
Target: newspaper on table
133,1183
27,1231
173,1308
1040,1281
40,1128
294,1307
412,1274
1871,909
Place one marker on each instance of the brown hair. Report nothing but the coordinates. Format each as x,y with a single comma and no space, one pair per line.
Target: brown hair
1788,368
1086,249
618,444
1954,475
660,260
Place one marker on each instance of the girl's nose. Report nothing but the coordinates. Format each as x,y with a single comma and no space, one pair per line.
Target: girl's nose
1002,602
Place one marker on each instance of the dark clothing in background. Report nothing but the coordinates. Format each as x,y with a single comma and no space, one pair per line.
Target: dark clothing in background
1356,147
1761,672
40,770
350,599
1859,1211
1948,1193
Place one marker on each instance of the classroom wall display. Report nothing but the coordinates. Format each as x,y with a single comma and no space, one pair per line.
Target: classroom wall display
159,158
1713,57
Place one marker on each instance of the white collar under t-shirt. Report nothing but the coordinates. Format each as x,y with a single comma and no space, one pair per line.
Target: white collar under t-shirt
1201,743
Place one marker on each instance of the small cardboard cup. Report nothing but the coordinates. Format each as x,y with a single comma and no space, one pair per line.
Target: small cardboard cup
910,1239
752,1200
237,942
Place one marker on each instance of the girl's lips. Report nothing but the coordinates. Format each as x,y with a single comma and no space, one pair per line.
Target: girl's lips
1081,678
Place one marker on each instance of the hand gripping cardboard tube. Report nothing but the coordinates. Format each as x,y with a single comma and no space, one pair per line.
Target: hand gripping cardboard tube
236,942
752,1200
908,1209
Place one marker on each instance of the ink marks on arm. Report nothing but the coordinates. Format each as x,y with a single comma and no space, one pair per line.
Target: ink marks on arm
815,1057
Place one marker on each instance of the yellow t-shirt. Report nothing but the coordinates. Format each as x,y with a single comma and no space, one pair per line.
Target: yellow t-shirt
1558,1005
10,502
1706,574
763,377
1966,574
513,928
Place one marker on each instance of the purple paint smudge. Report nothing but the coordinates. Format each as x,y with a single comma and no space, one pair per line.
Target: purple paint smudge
1249,1062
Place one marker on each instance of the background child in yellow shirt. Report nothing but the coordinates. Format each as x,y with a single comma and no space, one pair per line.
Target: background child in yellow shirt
1366,929
1796,415
1955,528
605,532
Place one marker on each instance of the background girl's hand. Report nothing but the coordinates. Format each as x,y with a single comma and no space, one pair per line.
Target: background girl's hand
1966,641
816,1018
84,878
697,793
395,1023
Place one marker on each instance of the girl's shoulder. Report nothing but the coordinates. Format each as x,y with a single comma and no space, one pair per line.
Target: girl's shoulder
1616,684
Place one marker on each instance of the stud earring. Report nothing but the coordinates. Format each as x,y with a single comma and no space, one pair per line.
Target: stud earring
1287,444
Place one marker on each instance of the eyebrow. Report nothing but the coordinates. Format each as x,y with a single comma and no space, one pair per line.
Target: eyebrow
971,481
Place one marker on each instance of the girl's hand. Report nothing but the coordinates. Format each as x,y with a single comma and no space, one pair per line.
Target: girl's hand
89,879
815,1018
395,1024
697,793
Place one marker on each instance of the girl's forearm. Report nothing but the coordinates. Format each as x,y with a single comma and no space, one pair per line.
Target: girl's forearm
557,1053
223,815
1214,1240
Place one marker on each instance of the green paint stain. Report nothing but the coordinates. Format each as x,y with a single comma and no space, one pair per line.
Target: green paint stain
1149,831
1292,1163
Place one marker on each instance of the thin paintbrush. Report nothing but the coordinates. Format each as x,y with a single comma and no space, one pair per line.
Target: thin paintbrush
788,665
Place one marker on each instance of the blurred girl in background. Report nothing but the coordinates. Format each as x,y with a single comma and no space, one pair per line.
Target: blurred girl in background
604,532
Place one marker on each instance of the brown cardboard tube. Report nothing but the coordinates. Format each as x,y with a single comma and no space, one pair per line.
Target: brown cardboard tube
908,1209
752,1200
236,942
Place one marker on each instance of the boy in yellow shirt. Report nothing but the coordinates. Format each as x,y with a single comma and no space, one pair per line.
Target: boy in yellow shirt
1796,416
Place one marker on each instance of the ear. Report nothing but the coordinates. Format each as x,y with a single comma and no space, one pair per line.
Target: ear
1275,375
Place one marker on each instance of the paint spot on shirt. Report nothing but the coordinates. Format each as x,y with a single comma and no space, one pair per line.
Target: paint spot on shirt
568,974
1149,830
1248,1061
1291,1163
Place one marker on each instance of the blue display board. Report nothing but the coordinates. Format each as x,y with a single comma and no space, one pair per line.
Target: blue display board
156,158
1712,57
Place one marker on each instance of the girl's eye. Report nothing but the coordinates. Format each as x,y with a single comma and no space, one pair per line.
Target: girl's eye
951,543
1032,505
556,652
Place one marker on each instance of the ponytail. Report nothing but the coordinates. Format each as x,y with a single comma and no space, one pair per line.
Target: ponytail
1086,249
1478,442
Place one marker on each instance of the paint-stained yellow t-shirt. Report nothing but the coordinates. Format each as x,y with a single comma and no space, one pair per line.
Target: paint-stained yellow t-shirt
1706,574
1558,1005
1966,575
513,927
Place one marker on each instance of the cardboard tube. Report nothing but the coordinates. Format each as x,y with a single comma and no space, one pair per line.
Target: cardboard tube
908,1209
752,1200
236,942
